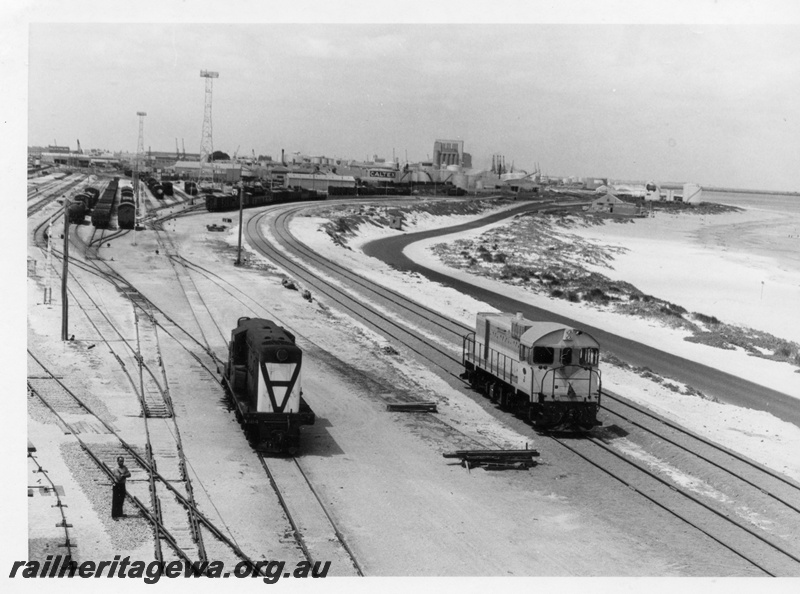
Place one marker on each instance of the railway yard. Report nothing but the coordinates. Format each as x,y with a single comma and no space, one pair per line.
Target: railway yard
369,491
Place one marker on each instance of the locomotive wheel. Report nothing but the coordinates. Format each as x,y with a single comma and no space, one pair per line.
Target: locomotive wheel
551,419
530,415
251,434
503,398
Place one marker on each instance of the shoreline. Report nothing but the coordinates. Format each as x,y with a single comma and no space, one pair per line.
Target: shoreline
712,278
741,191
757,434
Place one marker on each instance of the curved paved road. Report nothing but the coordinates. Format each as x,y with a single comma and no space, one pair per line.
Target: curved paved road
710,381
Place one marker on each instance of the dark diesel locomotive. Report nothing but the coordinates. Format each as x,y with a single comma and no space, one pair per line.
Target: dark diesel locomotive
544,371
262,377
257,196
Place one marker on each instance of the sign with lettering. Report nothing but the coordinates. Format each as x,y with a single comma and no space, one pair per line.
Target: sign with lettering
382,173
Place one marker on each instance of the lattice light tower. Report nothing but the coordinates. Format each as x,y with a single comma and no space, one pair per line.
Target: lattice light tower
206,143
139,153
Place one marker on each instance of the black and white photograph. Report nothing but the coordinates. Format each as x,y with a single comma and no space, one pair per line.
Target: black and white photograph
324,291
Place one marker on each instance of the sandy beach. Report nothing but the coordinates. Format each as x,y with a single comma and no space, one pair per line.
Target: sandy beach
756,434
713,264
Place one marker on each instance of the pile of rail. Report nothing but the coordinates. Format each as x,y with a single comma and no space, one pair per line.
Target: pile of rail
495,459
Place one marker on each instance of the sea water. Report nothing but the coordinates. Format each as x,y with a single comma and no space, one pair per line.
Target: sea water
776,234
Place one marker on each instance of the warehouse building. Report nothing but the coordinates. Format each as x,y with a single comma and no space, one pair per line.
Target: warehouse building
318,181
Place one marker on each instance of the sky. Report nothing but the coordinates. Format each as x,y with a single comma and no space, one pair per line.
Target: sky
712,102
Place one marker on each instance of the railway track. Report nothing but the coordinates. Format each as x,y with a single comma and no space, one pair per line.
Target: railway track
313,527
309,530
63,406
162,448
372,384
748,538
765,556
51,191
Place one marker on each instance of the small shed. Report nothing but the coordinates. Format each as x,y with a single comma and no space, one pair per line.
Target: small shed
611,204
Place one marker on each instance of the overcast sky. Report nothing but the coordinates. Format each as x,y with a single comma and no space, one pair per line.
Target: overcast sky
712,104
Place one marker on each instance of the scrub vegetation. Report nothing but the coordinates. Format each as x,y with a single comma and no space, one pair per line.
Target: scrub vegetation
538,253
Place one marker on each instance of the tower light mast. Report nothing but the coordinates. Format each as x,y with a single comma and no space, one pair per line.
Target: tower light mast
206,142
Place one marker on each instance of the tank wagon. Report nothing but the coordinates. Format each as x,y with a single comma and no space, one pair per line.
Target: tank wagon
155,187
262,378
126,211
94,196
76,212
126,215
125,188
544,371
83,198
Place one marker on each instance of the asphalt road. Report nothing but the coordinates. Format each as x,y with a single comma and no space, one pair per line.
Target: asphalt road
725,387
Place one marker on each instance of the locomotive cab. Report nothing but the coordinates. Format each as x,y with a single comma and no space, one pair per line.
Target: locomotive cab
563,362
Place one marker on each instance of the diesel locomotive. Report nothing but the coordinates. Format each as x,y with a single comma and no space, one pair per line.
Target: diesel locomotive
262,378
544,371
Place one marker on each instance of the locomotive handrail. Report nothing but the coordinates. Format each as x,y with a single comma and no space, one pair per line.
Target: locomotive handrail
493,363
577,379
468,337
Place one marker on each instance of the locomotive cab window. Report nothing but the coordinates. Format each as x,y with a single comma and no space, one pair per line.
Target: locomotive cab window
543,355
590,356
566,357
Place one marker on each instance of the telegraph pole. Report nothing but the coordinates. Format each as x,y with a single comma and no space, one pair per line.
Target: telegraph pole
239,252
48,289
65,271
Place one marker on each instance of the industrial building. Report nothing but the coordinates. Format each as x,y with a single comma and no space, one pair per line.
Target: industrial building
318,181
450,152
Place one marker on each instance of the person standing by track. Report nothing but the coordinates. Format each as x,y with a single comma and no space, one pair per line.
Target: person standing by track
120,473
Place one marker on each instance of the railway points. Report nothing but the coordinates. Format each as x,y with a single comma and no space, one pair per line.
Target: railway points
185,321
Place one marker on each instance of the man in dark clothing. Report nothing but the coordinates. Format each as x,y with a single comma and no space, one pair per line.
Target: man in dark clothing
120,473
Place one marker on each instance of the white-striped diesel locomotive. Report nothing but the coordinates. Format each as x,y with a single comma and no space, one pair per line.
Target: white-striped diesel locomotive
262,376
544,371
